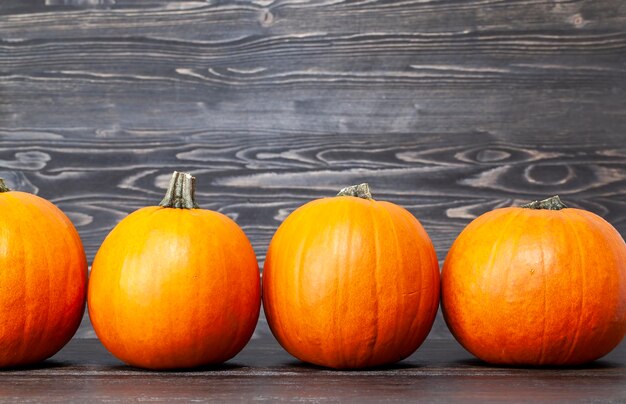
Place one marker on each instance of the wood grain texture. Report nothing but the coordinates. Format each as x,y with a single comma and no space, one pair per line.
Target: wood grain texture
439,372
449,108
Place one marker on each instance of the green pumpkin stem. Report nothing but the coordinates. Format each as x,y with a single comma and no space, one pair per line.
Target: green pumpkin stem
552,203
181,192
360,191
3,186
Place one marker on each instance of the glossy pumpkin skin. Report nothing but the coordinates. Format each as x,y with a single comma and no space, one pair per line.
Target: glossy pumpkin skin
350,283
536,287
175,288
43,279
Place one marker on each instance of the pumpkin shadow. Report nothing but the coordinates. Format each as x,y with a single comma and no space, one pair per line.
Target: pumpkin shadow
599,364
309,366
47,364
223,367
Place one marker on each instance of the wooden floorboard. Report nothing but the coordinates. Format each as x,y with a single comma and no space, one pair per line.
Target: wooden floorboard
440,371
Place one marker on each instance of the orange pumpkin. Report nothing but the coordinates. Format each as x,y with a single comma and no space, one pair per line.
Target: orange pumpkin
350,282
536,285
174,286
43,278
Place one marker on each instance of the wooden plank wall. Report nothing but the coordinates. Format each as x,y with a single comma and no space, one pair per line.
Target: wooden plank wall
447,107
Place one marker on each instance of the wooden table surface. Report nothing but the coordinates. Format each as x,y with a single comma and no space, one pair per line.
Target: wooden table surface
440,371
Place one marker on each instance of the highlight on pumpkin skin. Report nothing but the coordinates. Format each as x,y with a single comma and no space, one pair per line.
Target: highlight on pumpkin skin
350,282
47,267
547,286
175,286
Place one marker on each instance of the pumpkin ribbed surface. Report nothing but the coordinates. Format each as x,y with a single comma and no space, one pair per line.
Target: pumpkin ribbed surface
536,287
175,287
43,279
350,283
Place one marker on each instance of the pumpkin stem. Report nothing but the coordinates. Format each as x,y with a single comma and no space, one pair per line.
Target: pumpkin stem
3,186
552,203
360,191
181,192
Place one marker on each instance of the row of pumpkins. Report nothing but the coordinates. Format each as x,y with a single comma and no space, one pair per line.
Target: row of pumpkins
348,282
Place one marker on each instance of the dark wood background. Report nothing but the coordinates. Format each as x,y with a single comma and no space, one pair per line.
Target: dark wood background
449,108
